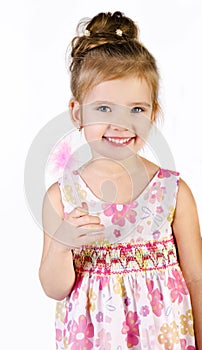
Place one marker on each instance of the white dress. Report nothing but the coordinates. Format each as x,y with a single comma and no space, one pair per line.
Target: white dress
130,294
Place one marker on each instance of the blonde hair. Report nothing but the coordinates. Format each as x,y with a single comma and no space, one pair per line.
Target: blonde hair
110,49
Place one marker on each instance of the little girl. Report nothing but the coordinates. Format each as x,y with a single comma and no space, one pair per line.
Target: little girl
126,264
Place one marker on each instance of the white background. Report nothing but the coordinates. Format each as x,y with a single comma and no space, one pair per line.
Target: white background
35,89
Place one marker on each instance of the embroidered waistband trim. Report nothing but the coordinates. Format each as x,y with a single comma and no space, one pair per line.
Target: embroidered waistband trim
124,258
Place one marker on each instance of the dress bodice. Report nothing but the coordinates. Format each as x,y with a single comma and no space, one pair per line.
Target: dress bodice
148,217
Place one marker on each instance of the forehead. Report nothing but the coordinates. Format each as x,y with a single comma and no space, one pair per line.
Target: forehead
120,91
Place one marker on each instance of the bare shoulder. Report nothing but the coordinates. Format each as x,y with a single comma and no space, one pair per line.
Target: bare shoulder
184,189
54,192
52,199
186,230
185,200
53,209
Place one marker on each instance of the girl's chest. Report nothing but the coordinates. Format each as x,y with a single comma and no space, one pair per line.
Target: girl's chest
119,190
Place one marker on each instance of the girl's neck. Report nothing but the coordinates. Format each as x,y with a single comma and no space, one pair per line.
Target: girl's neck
117,182
111,168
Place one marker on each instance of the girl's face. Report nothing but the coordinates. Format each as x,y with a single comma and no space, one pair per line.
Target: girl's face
116,116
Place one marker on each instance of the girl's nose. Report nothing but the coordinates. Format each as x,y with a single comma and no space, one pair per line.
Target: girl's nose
118,127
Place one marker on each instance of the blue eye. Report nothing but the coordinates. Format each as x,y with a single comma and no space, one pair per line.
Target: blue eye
105,109
137,110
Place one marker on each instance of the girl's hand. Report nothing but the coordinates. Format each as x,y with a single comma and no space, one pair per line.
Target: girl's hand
79,228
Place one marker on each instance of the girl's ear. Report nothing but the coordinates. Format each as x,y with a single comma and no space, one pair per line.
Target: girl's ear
75,113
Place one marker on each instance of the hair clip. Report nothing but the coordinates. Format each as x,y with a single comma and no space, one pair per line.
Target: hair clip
119,32
87,32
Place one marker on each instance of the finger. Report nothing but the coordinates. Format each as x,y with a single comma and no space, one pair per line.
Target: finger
77,212
87,220
82,220
85,206
84,225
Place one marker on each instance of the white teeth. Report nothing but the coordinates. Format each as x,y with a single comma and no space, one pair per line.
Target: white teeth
118,140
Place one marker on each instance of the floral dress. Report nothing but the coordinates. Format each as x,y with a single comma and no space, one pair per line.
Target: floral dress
129,291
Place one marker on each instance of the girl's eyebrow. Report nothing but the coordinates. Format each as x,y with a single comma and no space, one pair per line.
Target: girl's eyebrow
97,102
146,104
102,101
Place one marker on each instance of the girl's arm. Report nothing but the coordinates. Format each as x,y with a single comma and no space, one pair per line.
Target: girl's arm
189,243
56,270
78,228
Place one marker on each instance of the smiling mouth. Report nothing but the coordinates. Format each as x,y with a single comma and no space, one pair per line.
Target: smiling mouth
119,141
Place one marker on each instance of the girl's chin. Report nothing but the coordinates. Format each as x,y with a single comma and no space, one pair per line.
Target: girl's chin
114,151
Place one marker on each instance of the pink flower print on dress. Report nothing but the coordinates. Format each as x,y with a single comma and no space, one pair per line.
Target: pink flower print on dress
155,193
127,301
130,213
183,344
155,297
103,282
108,319
140,228
131,328
159,210
166,173
58,334
177,286
76,290
99,316
156,234
120,212
144,311
103,341
80,333
117,233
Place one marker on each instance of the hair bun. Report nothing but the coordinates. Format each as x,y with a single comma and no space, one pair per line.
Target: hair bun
104,28
108,24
